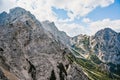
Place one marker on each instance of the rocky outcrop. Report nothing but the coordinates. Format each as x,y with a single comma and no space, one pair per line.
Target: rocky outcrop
2,76
59,35
81,43
105,44
28,52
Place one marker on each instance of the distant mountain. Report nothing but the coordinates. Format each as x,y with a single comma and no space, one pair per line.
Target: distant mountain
105,44
102,49
29,49
59,35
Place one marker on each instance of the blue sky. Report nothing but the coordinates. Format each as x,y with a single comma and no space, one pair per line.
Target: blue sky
112,12
60,13
99,13
72,16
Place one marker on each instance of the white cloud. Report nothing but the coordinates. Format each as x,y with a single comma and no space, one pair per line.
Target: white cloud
42,8
72,29
97,25
86,20
80,7
91,28
5,5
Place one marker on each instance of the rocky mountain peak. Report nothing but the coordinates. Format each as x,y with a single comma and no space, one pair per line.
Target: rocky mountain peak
59,35
107,30
49,22
3,17
21,14
17,10
27,52
16,14
50,26
106,33
106,44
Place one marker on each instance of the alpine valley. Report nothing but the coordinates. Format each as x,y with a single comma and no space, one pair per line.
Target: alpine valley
34,50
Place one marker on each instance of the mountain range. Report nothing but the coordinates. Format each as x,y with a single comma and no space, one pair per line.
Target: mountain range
34,50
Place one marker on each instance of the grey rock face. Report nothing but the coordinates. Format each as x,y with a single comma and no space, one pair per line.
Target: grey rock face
2,76
59,35
4,18
81,43
27,52
106,44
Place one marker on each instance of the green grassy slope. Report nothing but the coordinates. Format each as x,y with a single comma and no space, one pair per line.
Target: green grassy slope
92,69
